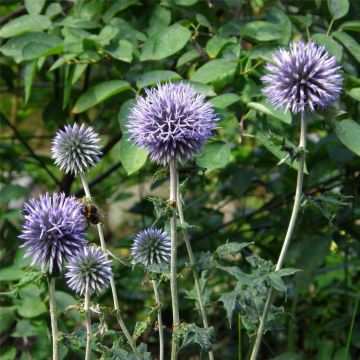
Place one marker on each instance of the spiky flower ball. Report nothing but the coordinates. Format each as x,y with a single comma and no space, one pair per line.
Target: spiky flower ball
53,229
304,78
151,246
75,148
173,121
88,266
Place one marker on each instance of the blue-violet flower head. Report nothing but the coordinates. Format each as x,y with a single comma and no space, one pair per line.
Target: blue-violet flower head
172,121
304,78
90,266
75,148
53,230
151,246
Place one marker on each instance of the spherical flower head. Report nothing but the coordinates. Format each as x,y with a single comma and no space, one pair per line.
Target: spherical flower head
173,121
304,78
151,246
90,266
53,229
75,148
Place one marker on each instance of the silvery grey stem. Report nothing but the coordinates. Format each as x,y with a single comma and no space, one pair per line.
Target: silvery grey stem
173,261
54,326
193,266
88,321
289,233
112,282
160,324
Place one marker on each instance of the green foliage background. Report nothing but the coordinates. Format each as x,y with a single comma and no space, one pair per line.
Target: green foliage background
85,61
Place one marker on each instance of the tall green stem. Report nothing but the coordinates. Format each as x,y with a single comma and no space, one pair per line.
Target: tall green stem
160,324
112,282
54,326
193,265
173,261
289,233
88,321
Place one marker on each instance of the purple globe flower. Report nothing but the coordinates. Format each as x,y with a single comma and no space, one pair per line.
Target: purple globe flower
304,78
53,230
173,121
75,148
88,266
151,246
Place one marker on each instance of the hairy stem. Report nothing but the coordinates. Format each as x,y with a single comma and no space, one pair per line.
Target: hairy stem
88,321
54,326
193,265
173,262
289,233
160,324
112,282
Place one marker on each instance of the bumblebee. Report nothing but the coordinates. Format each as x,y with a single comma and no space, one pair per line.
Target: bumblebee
91,212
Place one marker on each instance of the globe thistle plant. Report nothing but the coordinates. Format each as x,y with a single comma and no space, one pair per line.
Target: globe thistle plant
75,148
172,121
304,78
151,246
53,230
89,266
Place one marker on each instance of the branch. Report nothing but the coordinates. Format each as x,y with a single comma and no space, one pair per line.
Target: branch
28,147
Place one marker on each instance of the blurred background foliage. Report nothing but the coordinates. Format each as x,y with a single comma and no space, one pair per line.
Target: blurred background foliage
85,61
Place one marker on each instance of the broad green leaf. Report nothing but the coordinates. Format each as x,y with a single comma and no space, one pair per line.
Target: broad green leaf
23,24
99,93
229,301
207,90
355,93
79,70
30,307
63,300
193,334
287,271
276,282
13,47
160,19
348,132
231,248
124,113
261,31
154,77
215,155
188,57
26,328
269,109
165,43
274,144
132,157
224,100
11,273
350,26
331,46
350,44
338,8
53,9
7,317
11,192
29,74
121,51
34,7
8,352
118,6
215,71
185,2
216,44
35,50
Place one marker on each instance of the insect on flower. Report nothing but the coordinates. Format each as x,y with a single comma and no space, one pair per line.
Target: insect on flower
90,212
